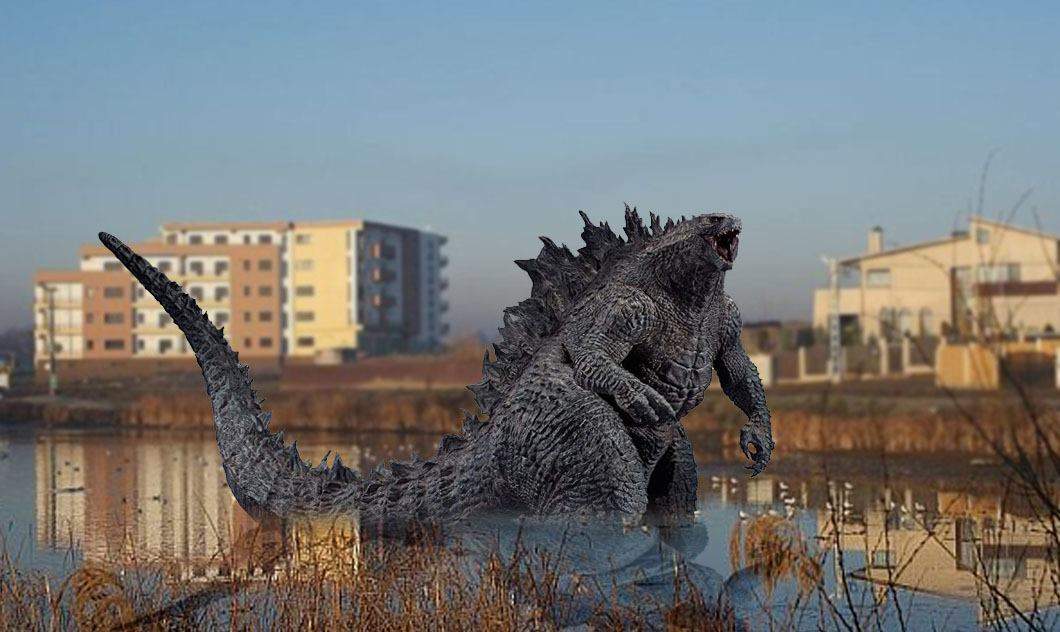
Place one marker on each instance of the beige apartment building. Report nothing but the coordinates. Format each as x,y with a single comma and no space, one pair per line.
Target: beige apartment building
308,291
993,278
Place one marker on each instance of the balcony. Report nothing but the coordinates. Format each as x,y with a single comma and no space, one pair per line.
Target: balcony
382,251
443,261
443,306
382,275
443,284
383,301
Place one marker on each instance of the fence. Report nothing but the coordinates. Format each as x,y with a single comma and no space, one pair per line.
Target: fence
898,359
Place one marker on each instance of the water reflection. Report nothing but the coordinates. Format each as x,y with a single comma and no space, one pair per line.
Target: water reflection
945,531
138,498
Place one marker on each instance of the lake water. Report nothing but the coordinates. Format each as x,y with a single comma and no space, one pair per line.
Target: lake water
932,525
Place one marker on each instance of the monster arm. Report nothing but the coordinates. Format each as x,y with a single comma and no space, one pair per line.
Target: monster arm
597,355
741,384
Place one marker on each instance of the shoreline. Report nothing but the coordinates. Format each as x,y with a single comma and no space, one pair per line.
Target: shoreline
847,418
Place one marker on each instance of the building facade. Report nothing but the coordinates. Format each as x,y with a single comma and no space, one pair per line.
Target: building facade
309,291
991,279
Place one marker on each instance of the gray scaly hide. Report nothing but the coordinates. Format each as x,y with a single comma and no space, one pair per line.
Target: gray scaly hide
579,408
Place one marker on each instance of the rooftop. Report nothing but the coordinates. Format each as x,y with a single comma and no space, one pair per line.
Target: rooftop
954,237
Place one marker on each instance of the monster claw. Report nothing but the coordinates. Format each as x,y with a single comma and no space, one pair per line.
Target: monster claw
754,448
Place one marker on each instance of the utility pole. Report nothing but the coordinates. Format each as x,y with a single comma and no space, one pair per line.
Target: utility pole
53,375
835,342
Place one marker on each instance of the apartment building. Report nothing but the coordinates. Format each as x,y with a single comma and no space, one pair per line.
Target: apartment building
993,278
99,312
308,291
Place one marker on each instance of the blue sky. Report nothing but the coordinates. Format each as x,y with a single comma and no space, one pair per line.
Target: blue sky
496,122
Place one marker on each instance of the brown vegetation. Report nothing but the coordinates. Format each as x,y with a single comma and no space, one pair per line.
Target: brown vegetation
325,577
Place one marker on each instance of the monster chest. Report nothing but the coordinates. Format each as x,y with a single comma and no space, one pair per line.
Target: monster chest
679,372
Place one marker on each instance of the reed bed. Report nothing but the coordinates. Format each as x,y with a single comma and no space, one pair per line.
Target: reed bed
328,578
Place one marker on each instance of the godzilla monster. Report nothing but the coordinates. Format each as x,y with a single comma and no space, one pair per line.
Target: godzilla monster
579,410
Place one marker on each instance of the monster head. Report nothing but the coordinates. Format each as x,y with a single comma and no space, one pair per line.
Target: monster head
689,256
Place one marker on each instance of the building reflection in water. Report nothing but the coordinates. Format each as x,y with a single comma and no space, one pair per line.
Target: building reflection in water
985,549
136,499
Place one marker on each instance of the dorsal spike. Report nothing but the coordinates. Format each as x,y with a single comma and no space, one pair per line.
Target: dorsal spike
559,279
656,227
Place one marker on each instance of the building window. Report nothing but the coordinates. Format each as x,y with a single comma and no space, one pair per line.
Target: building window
265,343
195,239
246,239
264,239
111,266
171,238
164,345
140,318
220,268
248,343
303,238
304,290
246,317
113,345
982,236
265,317
305,341
246,290
304,317
196,268
220,319
927,321
90,344
246,265
90,318
265,290
195,293
220,239
140,344
113,318
164,266
164,320
880,277
265,265
303,265
1000,273
220,293
882,558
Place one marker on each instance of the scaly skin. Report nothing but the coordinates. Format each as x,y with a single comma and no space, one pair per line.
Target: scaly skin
579,412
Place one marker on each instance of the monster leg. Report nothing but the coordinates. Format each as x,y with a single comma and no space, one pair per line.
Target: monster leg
573,457
672,486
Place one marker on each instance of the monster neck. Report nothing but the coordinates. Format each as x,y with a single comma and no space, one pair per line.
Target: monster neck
700,292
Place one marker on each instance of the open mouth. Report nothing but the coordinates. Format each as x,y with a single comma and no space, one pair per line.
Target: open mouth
726,244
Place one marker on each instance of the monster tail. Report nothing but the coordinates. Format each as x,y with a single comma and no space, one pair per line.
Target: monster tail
266,477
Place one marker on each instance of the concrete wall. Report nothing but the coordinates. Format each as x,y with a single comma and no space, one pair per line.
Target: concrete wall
972,367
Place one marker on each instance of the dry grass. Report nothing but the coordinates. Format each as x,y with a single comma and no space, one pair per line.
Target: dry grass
324,577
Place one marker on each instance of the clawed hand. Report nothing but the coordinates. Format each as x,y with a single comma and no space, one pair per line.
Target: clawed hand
756,441
646,406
